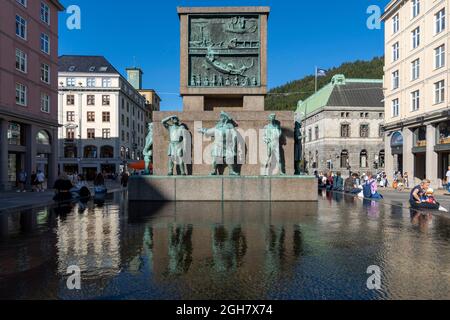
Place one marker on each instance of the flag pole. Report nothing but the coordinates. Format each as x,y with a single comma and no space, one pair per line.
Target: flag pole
315,88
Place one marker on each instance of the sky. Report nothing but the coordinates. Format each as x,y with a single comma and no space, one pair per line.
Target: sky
145,33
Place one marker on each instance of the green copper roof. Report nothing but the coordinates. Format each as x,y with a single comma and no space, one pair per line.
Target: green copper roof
346,93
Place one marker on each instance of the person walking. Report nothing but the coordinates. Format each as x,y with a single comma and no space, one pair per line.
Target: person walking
40,181
406,180
22,179
124,179
34,182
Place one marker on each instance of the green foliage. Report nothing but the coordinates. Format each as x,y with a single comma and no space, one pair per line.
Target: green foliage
286,96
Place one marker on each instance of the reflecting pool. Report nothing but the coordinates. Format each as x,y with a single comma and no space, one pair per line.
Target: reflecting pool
224,250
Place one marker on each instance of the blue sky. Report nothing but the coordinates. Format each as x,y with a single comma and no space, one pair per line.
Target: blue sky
302,34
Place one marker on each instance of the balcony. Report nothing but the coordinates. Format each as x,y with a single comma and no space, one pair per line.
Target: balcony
444,140
421,143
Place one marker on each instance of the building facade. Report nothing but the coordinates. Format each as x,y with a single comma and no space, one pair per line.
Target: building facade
103,117
152,99
342,129
28,89
416,89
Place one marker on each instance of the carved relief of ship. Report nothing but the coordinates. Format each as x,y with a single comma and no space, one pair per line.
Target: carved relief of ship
240,25
228,68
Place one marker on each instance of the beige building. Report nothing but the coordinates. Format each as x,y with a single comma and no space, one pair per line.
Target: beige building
416,81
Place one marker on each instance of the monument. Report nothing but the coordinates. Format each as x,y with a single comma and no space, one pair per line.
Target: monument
223,84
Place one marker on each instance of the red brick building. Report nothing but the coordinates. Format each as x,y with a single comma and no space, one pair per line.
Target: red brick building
28,88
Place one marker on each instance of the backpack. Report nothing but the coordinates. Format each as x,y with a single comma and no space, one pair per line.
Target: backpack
367,190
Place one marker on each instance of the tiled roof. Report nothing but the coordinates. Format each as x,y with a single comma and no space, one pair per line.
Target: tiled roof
85,64
343,92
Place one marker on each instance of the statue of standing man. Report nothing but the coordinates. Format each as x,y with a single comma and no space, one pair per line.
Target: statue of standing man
224,150
148,150
298,149
176,148
272,136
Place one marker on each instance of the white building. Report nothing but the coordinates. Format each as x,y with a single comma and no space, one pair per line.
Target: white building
102,117
416,86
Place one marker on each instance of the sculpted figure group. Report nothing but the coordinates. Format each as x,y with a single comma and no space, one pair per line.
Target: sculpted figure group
225,146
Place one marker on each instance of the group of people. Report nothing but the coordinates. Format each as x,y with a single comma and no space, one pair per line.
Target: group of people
422,196
37,180
365,185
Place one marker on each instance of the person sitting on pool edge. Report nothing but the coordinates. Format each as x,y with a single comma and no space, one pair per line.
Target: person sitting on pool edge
418,192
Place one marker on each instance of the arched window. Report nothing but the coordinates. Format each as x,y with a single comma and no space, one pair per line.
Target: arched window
344,159
127,152
122,152
106,152
363,159
90,152
70,152
42,137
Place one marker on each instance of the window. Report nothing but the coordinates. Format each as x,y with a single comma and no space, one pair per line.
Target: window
128,137
106,134
128,122
21,27
415,69
42,137
395,80
123,135
439,54
364,131
90,82
45,13
21,61
415,100
106,117
395,108
70,134
123,120
70,116
90,116
106,82
439,92
309,134
380,131
45,103
106,100
70,99
415,8
344,159
395,24
90,100
22,2
45,73
90,152
345,131
395,51
45,43
317,133
70,82
416,37
21,94
363,159
440,21
91,133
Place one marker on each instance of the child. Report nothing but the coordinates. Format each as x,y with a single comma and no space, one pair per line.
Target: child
429,197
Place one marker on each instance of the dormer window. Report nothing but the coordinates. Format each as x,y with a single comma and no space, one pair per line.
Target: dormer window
103,69
91,69
72,68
